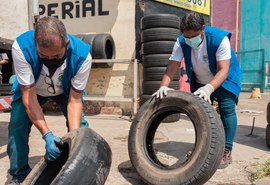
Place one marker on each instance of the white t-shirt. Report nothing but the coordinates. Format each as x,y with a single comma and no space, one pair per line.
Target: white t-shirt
46,85
199,58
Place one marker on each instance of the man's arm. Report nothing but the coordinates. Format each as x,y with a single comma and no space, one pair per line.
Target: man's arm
74,109
33,109
2,62
172,68
222,73
78,84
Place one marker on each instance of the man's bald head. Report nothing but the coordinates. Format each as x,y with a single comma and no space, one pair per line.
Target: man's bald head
48,30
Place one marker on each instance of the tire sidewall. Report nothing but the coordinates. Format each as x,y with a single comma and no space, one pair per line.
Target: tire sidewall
140,125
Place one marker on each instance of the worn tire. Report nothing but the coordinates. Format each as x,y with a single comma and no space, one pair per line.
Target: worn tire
80,36
86,159
157,47
149,87
209,141
169,119
156,60
156,74
89,38
160,20
160,34
268,113
103,48
267,135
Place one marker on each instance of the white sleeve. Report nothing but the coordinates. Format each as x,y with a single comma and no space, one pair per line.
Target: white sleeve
79,81
177,54
23,69
224,50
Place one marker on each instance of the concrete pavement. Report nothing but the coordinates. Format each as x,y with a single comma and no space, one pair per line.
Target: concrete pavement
248,149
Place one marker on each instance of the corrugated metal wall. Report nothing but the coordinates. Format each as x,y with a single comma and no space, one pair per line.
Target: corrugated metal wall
255,26
224,16
255,38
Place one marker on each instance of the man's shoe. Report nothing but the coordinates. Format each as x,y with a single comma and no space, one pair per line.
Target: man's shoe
226,160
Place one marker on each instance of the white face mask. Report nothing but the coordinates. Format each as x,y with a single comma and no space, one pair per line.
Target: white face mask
194,42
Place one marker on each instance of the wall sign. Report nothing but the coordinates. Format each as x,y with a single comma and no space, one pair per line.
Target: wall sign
82,16
201,6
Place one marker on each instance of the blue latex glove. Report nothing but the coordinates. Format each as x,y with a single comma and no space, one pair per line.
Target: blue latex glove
52,151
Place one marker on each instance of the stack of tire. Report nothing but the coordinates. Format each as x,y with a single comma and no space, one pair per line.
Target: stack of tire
158,35
102,47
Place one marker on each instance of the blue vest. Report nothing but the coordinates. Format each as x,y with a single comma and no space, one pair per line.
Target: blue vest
214,37
76,55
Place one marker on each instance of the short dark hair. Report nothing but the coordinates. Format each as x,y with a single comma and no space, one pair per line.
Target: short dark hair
192,21
47,28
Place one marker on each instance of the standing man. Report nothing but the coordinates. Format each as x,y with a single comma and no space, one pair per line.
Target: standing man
213,71
49,64
3,61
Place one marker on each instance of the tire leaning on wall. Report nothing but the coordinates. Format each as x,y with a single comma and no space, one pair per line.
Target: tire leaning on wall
209,141
102,47
86,159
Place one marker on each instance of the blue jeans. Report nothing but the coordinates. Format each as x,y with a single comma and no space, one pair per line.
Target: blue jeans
226,104
18,135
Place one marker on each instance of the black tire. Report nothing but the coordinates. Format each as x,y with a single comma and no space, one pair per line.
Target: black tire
103,48
89,38
157,60
80,36
157,47
169,119
149,87
144,98
86,159
160,34
156,74
160,20
267,135
209,142
268,113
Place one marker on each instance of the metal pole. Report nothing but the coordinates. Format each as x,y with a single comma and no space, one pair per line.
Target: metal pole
237,25
135,88
263,71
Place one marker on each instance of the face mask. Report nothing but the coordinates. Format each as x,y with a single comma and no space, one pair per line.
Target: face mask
194,42
52,63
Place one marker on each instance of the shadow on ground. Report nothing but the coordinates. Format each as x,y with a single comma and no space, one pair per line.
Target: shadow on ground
176,149
254,138
130,174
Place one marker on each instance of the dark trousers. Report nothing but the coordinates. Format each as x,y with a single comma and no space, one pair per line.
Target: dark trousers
226,104
18,135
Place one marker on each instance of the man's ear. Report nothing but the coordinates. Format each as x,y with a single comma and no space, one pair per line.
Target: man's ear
67,44
203,30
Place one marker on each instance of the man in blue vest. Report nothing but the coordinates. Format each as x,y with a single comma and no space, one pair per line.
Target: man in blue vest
49,64
212,68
